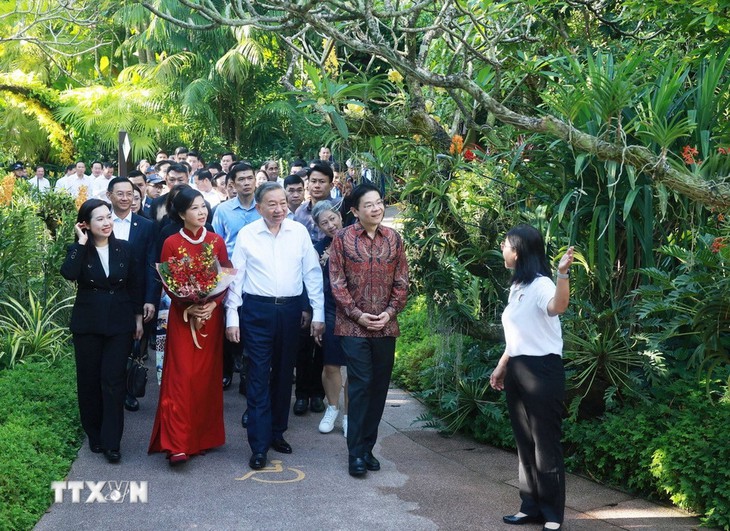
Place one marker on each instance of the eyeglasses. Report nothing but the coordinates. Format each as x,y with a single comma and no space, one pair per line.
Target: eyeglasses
376,204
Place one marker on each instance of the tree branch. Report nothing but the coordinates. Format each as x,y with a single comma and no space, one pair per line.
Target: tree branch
359,29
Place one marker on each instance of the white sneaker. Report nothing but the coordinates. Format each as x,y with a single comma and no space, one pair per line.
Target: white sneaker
344,425
327,424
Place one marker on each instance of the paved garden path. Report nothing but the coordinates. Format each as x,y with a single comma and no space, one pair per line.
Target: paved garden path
426,482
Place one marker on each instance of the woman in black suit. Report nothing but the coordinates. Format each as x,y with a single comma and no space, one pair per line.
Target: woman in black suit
106,316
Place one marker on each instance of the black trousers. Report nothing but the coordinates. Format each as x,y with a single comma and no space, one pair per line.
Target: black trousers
369,366
101,364
270,337
535,387
309,367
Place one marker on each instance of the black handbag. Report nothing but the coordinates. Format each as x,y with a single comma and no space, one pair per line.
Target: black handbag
136,374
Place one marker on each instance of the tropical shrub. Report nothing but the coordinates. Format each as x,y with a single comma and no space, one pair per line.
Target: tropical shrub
684,312
22,245
32,330
40,434
673,447
450,372
415,347
34,232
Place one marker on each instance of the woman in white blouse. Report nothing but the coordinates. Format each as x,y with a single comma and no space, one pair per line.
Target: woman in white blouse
531,372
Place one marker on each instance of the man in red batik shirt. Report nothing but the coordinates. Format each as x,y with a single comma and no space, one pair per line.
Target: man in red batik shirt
369,278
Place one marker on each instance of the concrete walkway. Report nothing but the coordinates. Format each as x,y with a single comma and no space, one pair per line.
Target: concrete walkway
426,482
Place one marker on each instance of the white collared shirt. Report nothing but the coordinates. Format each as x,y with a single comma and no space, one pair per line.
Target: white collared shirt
72,184
212,197
100,186
528,329
122,226
42,184
275,266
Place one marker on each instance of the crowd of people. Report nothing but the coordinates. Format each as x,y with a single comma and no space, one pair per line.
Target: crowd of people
284,314
318,286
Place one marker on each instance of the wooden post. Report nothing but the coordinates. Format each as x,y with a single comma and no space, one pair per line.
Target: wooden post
125,163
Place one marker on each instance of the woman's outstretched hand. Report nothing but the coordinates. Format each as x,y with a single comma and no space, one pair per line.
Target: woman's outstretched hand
566,261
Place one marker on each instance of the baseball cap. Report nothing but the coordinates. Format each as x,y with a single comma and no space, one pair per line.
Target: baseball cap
154,179
17,166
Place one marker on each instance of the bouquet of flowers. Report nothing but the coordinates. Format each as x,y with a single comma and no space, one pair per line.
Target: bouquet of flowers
196,280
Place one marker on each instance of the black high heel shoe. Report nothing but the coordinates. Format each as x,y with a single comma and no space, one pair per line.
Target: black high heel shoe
113,456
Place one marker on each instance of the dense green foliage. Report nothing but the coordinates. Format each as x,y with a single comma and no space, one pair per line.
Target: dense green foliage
40,430
673,447
89,70
34,298
40,434
449,372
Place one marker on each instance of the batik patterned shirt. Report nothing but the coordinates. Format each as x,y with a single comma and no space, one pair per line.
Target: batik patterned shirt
368,275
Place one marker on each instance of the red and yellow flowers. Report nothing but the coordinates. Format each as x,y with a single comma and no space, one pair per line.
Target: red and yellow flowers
191,278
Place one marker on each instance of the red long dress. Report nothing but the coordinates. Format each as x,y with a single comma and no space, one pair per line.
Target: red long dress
189,415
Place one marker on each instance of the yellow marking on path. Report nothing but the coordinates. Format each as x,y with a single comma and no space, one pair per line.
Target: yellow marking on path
275,468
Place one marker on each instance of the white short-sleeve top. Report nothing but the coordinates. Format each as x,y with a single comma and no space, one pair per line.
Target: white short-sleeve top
528,329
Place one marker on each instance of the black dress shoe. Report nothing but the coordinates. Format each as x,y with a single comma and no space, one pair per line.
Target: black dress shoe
519,520
257,461
244,419
113,456
357,466
227,381
316,405
281,446
96,448
131,403
370,462
301,406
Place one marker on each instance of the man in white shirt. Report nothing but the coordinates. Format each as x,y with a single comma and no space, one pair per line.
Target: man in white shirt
205,187
102,177
108,170
96,169
39,182
139,232
75,182
274,257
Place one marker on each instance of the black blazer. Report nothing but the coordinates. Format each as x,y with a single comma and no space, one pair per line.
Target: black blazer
104,305
142,239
